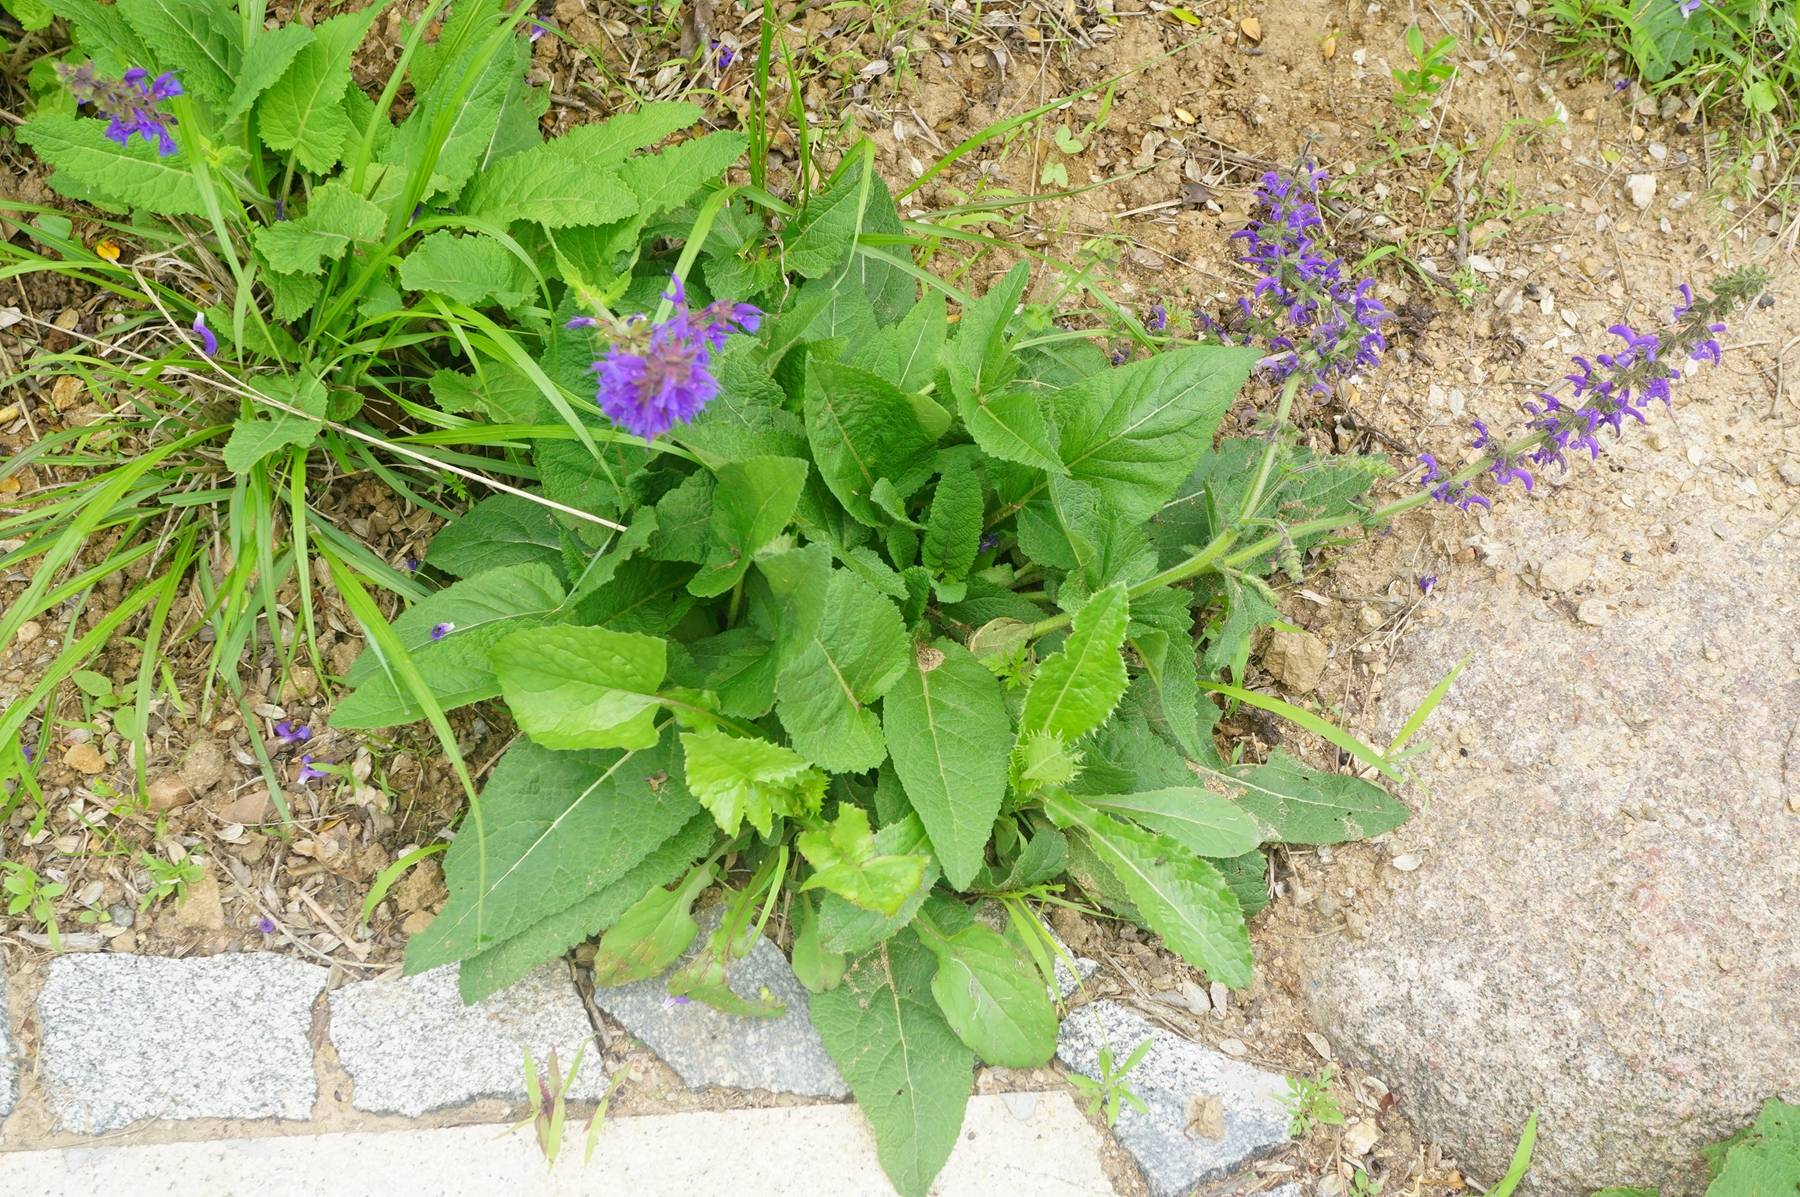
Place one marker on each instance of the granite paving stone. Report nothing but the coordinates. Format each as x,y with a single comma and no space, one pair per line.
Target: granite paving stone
9,1061
412,1046
707,1047
127,1038
1176,1079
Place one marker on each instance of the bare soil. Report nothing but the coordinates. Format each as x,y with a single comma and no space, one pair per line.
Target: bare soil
1500,228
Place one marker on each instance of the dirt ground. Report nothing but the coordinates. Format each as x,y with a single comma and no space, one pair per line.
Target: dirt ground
1500,224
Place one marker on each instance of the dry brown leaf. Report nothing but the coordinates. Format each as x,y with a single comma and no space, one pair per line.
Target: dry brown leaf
1206,1117
1251,28
84,758
1328,47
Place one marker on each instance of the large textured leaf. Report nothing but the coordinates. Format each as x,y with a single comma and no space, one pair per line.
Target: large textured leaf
1179,896
652,935
480,611
582,687
1762,1160
611,141
907,353
980,348
335,219
853,930
909,1072
738,778
551,185
1199,820
201,41
858,651
550,825
1076,689
992,996
270,54
665,181
90,166
752,504
471,270
863,428
102,26
499,966
847,861
499,530
1304,806
254,439
303,110
459,114
953,531
1135,432
948,731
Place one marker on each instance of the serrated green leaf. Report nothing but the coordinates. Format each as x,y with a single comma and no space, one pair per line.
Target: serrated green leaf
303,110
1199,820
752,504
737,779
953,530
992,996
1304,806
480,611
500,530
497,967
980,348
459,115
1763,1161
469,269
88,165
1179,896
652,935
102,27
947,729
612,141
863,428
551,185
570,687
335,218
1076,689
271,53
200,40
739,665
907,354
254,439
32,15
705,977
1137,431
846,862
665,181
858,651
909,1072
852,930
551,824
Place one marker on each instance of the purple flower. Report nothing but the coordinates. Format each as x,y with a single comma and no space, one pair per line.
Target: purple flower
1621,84
209,344
1431,467
1690,7
292,733
266,925
1426,583
130,102
674,1000
1482,439
537,31
581,322
654,376
411,564
308,773
28,752
1158,318
439,631
724,55
989,541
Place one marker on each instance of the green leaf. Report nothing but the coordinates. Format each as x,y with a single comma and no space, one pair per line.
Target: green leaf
665,181
953,531
499,530
980,347
1199,820
612,141
739,665
101,26
858,651
551,184
907,353
992,996
1763,1161
850,929
303,110
846,861
200,40
652,935
1180,897
90,165
1076,689
469,269
1009,426
32,15
270,54
335,217
550,824
909,1072
948,731
574,687
1304,806
816,966
863,428
752,504
705,977
1136,432
481,611
254,439
458,115
497,967
737,778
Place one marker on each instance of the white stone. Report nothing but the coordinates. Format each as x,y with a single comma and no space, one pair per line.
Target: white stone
412,1046
127,1038
1641,189
1055,1152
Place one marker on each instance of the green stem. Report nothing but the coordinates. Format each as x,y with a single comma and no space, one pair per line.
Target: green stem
1254,496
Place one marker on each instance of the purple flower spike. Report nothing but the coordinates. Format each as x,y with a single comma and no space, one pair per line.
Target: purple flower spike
130,103
209,344
1431,467
1158,318
657,375
439,631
